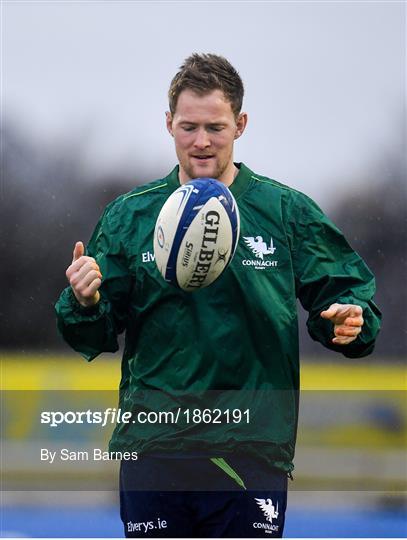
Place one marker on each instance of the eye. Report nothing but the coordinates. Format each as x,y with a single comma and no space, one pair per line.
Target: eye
188,128
215,128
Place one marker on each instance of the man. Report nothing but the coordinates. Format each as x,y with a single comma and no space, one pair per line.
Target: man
232,346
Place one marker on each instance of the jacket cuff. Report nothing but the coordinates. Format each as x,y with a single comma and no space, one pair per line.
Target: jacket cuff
70,311
78,308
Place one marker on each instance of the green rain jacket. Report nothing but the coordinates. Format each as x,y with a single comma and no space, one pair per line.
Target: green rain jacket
232,345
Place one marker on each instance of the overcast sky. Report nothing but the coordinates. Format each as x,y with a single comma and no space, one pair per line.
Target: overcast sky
325,81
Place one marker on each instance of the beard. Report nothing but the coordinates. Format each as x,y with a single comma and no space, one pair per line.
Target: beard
216,170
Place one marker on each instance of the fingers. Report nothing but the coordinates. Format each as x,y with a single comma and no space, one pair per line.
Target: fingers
347,320
345,334
87,266
77,266
331,312
84,276
354,321
347,330
341,310
343,340
91,292
348,314
85,288
78,251
81,283
355,310
77,262
348,310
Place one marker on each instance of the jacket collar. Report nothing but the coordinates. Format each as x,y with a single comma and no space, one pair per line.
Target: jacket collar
240,184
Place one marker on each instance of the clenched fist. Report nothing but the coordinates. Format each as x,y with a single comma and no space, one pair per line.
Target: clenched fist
84,277
347,320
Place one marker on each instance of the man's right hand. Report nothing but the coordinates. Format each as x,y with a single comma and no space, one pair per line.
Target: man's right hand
84,277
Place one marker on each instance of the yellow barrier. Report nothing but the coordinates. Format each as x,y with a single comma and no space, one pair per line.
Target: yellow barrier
58,372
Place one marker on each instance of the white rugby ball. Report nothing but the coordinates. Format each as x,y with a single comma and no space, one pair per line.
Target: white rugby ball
196,234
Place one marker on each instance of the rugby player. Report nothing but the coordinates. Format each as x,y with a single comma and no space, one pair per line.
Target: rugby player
235,343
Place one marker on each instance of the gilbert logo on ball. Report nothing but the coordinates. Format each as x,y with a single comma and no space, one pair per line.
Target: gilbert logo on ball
196,234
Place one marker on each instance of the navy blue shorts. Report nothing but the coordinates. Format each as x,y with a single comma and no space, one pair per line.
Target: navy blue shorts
193,497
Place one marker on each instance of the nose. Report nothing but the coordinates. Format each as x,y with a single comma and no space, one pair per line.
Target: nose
202,139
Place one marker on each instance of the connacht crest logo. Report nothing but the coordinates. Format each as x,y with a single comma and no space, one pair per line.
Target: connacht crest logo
259,247
267,506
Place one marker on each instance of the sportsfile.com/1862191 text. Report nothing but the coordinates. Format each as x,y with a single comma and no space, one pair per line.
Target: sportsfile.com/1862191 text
111,416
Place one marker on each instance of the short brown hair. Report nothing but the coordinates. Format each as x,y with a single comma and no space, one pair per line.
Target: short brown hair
203,73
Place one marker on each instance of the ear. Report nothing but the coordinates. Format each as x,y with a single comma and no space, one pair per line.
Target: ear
241,123
168,120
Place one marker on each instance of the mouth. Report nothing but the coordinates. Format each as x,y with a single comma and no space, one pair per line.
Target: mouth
203,158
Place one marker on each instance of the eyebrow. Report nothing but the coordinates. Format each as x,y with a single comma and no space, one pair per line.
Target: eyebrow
186,123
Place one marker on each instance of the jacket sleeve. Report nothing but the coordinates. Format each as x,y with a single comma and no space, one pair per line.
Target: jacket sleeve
327,270
91,331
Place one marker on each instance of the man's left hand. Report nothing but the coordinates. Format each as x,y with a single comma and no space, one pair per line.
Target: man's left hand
347,320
